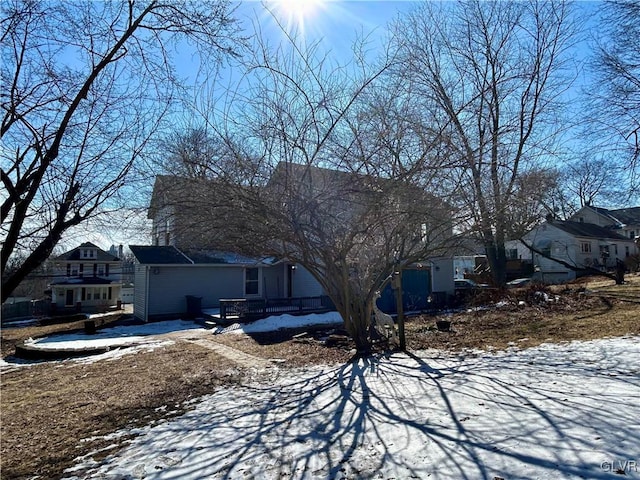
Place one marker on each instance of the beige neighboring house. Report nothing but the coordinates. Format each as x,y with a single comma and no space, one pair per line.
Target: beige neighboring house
582,245
86,279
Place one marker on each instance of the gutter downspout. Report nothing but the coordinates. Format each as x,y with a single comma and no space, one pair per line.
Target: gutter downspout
146,293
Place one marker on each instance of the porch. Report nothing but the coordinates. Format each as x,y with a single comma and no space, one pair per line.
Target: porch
249,309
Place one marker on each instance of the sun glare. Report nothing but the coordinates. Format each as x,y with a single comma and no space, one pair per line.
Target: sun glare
297,13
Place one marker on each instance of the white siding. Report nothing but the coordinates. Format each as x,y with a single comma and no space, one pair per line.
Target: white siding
588,215
304,284
563,247
442,273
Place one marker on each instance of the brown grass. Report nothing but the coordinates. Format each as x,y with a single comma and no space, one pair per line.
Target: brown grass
48,408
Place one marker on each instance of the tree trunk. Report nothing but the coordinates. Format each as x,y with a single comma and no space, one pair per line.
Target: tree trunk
497,258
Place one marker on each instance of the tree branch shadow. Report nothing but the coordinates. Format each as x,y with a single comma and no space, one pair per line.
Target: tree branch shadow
471,417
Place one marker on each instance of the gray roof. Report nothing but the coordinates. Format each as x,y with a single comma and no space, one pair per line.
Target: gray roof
155,255
628,216
589,230
220,257
101,255
84,281
619,217
169,255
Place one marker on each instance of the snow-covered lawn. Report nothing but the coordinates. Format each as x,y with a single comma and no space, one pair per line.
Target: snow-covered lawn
556,411
130,339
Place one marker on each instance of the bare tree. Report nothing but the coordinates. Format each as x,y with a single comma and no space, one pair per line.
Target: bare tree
193,152
616,99
85,85
592,180
532,201
337,176
486,74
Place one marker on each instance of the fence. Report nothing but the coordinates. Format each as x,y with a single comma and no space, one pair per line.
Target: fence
35,308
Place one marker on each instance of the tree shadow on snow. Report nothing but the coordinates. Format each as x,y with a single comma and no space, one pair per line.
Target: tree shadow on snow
403,416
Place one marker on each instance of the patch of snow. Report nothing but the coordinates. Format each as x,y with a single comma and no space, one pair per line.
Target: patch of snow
555,411
118,336
278,322
20,323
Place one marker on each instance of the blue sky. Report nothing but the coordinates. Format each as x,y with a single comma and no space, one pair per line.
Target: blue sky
335,22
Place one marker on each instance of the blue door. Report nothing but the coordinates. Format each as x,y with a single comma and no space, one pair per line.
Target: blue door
416,288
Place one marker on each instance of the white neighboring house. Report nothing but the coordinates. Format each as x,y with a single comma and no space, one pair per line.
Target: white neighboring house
86,279
579,244
624,221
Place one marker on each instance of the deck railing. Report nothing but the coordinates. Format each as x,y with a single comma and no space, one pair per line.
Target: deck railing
256,308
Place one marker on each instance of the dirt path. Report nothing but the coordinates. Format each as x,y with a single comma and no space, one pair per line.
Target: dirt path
241,358
207,340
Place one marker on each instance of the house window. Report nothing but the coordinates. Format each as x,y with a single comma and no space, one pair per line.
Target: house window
615,249
626,251
101,269
632,234
512,253
74,270
251,280
85,253
585,247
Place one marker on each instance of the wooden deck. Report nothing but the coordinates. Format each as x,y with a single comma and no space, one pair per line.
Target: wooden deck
249,309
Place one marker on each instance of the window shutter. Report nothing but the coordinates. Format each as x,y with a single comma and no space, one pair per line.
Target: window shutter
95,269
106,269
68,269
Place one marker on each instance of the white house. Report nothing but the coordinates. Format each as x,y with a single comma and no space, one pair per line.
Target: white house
572,246
624,221
87,279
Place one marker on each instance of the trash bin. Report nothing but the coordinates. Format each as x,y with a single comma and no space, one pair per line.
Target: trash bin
194,306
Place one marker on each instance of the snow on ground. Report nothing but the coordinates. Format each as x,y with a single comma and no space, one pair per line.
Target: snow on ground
555,411
290,321
130,339
118,336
